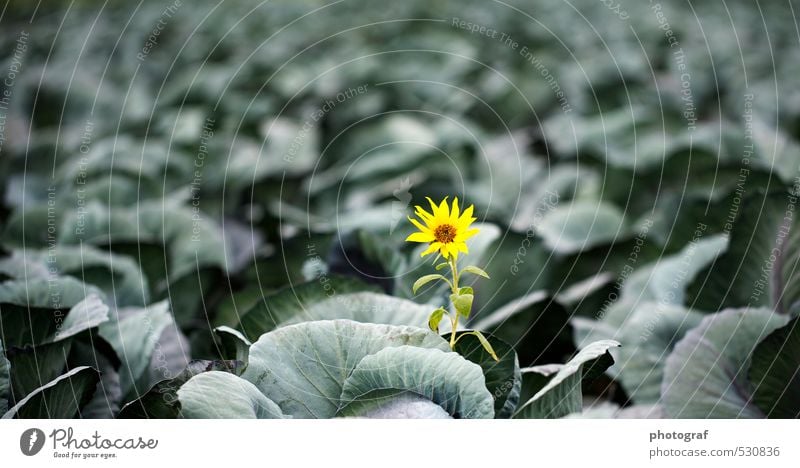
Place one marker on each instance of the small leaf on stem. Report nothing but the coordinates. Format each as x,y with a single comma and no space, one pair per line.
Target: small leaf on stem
427,279
435,318
462,301
475,271
486,345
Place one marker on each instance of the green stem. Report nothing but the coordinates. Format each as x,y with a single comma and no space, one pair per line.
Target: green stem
462,336
454,269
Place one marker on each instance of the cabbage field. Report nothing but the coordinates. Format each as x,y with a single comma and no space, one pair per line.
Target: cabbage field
411,209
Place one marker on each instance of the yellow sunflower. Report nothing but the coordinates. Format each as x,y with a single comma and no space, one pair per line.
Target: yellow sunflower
445,229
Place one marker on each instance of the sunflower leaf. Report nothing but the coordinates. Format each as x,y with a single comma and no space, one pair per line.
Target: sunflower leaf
462,301
475,271
427,279
486,345
435,318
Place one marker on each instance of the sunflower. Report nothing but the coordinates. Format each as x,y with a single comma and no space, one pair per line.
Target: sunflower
445,229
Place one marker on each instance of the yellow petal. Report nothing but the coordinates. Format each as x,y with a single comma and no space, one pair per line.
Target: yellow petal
420,237
462,247
464,235
466,215
444,210
424,215
452,251
454,212
419,225
462,230
434,208
433,247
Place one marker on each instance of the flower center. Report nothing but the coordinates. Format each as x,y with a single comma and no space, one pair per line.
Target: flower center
445,233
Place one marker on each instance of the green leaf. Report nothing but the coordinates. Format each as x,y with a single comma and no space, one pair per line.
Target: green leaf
648,338
632,137
170,357
291,302
161,401
462,301
235,304
500,368
666,280
135,337
582,292
535,378
15,265
648,334
92,350
366,307
34,366
486,345
281,139
39,293
125,157
475,271
446,378
88,313
61,398
253,160
234,344
118,276
189,243
5,379
425,280
383,160
536,325
370,257
442,266
761,267
562,394
45,359
519,265
221,395
705,375
774,372
32,311
394,404
302,367
435,318
581,225
373,218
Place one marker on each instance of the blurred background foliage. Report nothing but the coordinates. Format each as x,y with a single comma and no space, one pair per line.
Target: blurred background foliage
258,145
